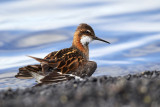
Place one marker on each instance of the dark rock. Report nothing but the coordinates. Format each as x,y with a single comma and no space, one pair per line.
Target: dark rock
128,77
138,90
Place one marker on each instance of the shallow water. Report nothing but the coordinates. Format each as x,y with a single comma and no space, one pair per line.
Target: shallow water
38,28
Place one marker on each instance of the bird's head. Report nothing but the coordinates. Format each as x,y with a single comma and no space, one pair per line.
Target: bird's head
85,34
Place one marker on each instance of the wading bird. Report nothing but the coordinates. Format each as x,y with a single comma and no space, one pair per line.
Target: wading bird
67,63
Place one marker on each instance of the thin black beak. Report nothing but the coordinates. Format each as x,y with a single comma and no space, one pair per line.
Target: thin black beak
96,38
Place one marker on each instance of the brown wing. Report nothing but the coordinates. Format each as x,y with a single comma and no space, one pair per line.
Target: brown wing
50,55
65,60
24,72
55,77
63,63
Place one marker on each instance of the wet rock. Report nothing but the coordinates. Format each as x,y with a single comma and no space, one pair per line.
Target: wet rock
138,90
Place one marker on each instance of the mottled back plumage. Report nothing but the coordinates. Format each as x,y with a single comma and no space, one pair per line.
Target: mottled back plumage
64,61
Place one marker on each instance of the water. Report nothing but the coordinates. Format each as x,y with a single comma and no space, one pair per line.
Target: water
39,27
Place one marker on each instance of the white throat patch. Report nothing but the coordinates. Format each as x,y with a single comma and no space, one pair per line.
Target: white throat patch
85,40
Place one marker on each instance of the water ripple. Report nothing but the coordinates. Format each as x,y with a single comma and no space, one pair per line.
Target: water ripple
38,28
39,40
123,46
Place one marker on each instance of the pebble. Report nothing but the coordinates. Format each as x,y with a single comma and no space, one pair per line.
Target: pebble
138,90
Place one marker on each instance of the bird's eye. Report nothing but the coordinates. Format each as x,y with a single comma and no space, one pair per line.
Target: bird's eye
87,31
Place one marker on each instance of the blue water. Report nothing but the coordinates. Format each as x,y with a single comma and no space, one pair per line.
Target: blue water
39,27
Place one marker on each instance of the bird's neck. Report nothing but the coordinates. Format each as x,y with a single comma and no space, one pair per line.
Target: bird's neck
83,48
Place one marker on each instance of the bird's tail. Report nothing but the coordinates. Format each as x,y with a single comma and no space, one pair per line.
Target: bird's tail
25,72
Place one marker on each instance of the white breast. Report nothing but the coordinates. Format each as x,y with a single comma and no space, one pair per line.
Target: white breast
85,40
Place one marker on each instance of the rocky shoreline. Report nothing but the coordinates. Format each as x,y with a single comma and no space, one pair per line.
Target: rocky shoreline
138,90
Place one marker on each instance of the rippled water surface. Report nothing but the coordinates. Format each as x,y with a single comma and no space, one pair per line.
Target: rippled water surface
41,26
